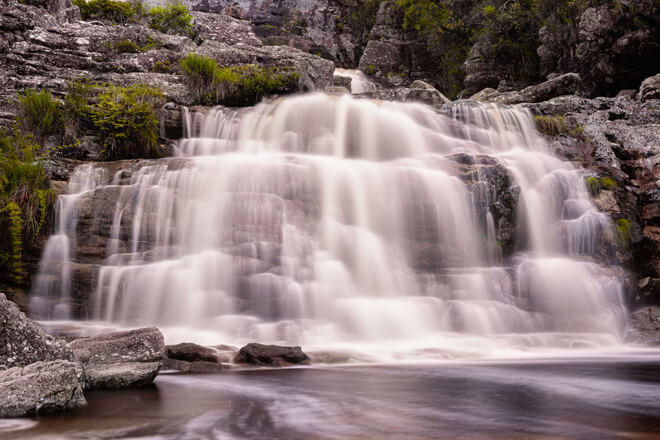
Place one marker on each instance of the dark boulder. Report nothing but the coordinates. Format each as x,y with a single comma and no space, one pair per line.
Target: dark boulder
261,355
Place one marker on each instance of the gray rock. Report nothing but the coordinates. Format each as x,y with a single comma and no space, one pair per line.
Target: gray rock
478,73
120,374
422,85
644,327
40,388
271,356
650,88
23,342
121,359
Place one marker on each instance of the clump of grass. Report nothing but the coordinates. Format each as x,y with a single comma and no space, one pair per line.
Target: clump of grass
624,233
174,18
40,114
162,67
597,184
199,74
234,85
111,10
126,46
127,121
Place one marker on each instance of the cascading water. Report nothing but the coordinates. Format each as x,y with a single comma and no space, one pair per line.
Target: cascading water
360,82
331,221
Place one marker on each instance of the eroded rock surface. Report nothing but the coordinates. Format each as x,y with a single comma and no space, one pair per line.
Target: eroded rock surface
120,359
40,388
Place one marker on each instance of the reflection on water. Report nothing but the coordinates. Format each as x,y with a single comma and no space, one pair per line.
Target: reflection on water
605,398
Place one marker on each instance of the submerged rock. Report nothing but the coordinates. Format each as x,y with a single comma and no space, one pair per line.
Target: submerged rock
121,359
42,387
271,356
23,342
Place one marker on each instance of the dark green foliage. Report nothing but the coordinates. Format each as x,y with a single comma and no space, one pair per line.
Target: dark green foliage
172,19
127,121
110,10
512,32
447,36
235,85
361,18
40,114
25,199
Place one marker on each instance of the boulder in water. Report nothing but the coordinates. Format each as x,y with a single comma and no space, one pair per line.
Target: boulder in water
121,359
645,326
191,357
42,387
23,342
271,356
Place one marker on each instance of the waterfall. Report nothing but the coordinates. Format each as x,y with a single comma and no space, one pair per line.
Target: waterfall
333,221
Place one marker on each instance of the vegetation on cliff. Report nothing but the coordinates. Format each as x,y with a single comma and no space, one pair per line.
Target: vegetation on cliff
173,18
239,85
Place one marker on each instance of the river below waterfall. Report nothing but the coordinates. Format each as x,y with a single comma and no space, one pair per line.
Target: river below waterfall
605,397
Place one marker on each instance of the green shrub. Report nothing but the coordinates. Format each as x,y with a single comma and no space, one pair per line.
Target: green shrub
174,18
39,113
111,10
235,85
127,121
608,183
126,46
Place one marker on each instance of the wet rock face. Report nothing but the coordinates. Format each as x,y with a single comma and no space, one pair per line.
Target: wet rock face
121,359
23,342
260,355
644,326
311,26
619,139
40,388
613,46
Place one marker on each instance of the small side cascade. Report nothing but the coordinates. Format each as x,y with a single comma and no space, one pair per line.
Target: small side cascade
52,292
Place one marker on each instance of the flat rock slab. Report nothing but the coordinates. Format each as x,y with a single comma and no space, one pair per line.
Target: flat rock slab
121,359
141,345
23,342
271,356
121,374
42,387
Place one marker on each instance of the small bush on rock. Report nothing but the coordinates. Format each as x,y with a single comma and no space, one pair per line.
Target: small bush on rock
126,46
235,85
172,19
40,114
110,10
127,120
